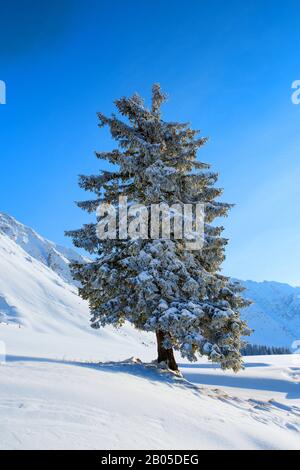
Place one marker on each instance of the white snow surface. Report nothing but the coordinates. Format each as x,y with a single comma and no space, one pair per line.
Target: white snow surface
53,396
50,254
275,313
59,388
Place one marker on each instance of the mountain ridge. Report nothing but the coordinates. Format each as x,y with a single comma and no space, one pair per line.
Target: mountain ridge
54,256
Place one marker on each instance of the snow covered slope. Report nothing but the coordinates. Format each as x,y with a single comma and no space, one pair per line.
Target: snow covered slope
34,297
275,313
56,403
59,390
51,255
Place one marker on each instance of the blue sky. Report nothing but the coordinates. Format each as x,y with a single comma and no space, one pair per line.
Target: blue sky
228,69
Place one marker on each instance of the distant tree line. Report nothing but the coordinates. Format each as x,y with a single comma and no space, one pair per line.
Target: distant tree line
261,350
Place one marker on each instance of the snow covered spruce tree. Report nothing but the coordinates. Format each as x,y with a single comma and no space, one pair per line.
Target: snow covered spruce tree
159,285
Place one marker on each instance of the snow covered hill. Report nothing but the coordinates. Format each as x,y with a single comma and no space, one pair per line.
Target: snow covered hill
51,255
35,296
275,314
48,403
59,388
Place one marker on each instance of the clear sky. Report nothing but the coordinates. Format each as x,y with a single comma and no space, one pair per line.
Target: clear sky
227,66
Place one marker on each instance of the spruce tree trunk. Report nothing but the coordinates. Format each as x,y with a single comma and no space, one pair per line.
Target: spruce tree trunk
165,355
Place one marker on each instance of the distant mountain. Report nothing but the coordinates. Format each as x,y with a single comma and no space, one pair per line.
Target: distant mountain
35,277
275,313
53,256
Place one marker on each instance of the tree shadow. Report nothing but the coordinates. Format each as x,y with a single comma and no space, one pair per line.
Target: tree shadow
191,381
148,371
217,366
291,390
